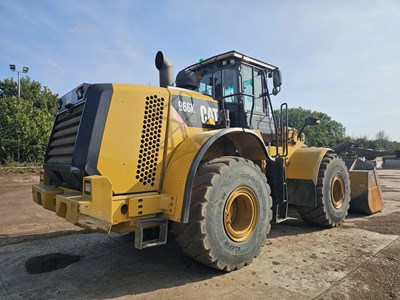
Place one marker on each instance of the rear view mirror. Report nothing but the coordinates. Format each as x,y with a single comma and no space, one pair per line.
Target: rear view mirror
309,121
277,80
312,121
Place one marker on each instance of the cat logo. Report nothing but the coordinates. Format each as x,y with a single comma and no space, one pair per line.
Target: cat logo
207,113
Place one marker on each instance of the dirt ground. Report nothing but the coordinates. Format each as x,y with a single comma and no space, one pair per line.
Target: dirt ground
43,256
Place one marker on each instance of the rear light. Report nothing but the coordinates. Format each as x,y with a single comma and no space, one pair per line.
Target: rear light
87,187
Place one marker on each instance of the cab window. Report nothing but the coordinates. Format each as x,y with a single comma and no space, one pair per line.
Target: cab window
230,86
226,85
222,84
205,85
252,81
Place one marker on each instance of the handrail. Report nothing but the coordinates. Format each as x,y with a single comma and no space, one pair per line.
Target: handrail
285,145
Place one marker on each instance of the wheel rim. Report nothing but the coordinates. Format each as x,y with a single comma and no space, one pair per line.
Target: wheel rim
337,191
241,214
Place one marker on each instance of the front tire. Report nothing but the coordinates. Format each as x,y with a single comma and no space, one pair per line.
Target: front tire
230,214
333,194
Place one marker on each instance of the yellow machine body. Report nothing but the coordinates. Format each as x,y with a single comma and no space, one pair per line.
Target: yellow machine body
148,157
133,157
209,157
124,157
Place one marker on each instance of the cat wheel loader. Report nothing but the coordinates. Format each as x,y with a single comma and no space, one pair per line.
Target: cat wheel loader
207,157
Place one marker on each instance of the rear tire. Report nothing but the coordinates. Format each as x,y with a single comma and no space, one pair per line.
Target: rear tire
333,194
230,214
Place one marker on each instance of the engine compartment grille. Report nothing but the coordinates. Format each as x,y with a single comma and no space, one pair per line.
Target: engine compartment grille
63,138
150,140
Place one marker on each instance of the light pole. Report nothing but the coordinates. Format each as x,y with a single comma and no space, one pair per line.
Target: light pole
24,70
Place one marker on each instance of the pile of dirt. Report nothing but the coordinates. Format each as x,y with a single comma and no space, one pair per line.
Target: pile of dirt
385,224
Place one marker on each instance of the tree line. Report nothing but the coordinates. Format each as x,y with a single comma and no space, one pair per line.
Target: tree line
26,123
330,133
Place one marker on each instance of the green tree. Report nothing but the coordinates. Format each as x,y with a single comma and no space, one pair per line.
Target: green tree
327,134
382,140
364,142
8,87
26,121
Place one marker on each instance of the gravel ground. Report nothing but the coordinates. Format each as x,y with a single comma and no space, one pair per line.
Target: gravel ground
43,256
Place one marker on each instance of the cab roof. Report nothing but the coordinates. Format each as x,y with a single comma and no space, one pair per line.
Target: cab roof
237,56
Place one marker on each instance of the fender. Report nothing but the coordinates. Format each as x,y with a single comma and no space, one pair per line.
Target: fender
183,165
304,163
302,175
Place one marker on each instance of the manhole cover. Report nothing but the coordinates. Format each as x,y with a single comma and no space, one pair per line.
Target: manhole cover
49,262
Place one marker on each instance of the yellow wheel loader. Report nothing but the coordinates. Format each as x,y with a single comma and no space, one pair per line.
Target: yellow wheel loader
207,157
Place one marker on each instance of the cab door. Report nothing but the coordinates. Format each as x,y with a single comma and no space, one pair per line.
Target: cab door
259,116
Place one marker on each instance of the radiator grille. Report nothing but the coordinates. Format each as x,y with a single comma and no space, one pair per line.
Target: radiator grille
62,142
150,140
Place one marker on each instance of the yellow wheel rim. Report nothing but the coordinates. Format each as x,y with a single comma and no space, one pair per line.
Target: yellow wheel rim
241,214
337,191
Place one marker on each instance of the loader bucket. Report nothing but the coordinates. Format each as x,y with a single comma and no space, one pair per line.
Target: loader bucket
366,193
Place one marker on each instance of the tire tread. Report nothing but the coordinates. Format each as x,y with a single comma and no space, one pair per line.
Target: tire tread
319,215
191,237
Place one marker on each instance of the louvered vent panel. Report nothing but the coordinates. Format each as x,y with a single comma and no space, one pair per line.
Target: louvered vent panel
62,143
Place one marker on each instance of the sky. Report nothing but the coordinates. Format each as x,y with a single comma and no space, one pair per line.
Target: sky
338,57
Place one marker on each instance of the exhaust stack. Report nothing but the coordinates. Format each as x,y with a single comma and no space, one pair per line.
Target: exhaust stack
166,70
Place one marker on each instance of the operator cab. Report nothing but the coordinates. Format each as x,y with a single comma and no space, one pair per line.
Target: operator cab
239,83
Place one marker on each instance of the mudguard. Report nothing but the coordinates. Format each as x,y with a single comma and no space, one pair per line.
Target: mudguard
183,165
302,175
